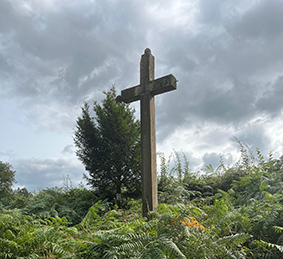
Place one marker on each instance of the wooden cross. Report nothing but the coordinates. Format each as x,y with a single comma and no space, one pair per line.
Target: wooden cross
145,92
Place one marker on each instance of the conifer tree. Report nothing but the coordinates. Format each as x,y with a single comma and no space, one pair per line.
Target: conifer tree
109,147
7,178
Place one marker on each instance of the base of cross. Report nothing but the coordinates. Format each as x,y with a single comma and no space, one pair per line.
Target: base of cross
145,92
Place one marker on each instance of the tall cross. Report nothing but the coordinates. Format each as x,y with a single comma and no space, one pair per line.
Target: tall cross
145,92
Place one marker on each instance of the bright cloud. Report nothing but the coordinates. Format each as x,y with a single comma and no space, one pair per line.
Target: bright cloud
54,55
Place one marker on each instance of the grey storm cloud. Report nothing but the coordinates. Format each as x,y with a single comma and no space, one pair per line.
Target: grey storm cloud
67,56
68,149
215,159
212,159
256,138
46,173
223,70
226,55
271,101
262,21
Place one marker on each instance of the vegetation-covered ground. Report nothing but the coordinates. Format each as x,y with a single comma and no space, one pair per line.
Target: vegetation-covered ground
229,212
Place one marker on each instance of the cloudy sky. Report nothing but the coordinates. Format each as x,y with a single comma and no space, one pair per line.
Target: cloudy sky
55,54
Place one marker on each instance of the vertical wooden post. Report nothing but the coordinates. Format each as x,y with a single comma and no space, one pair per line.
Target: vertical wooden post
145,92
148,136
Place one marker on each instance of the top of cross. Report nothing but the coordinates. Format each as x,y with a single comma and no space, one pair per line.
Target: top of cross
147,51
147,82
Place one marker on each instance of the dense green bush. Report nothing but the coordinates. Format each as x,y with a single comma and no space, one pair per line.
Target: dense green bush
172,233
227,212
71,203
245,198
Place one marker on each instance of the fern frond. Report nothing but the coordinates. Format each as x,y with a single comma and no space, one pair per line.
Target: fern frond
278,229
266,245
233,240
170,248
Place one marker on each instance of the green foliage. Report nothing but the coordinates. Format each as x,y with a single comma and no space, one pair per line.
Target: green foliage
228,212
109,147
243,199
68,202
175,181
7,178
27,237
173,232
167,235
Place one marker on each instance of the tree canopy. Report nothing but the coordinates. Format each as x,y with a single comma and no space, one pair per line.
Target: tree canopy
7,178
109,146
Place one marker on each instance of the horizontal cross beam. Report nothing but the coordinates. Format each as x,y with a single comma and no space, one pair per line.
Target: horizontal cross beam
155,87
